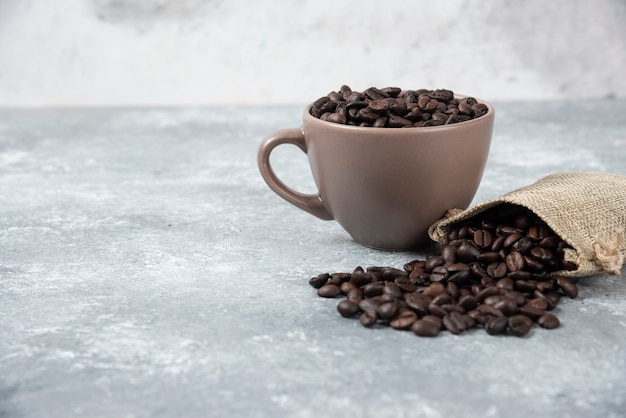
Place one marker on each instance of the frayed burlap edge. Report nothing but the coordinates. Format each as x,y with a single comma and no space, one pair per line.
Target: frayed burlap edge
586,209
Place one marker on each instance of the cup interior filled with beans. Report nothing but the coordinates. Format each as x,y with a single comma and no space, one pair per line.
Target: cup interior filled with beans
387,162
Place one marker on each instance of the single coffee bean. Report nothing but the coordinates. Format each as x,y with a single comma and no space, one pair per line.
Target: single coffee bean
368,318
425,328
468,302
329,291
496,325
405,284
468,251
519,325
538,232
541,254
453,290
355,295
567,286
319,280
488,257
436,310
393,290
346,287
531,311
435,289
387,310
507,306
522,245
403,320
514,261
505,283
347,308
483,238
369,304
497,270
511,239
434,319
373,289
548,321
454,323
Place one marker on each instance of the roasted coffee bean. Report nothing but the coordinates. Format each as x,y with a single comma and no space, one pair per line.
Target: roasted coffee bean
567,286
435,289
520,299
488,257
522,245
538,232
541,254
442,299
453,290
405,284
507,306
468,251
436,310
355,295
424,328
373,289
439,274
483,238
417,303
496,325
360,278
514,261
477,316
368,304
346,287
497,270
454,323
468,302
387,310
506,283
393,290
329,291
434,319
511,239
448,253
403,320
540,303
390,107
548,321
432,262
489,310
519,325
368,318
531,311
347,308
319,280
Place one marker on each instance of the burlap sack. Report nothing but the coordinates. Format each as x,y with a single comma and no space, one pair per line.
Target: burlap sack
587,210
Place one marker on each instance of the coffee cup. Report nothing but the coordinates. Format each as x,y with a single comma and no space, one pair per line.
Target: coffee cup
384,186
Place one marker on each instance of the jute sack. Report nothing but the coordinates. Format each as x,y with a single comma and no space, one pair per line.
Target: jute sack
586,209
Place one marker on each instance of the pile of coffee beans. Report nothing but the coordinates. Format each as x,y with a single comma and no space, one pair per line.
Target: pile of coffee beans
392,107
493,272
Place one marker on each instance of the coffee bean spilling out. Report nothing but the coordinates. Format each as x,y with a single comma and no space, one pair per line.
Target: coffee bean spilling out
391,107
493,272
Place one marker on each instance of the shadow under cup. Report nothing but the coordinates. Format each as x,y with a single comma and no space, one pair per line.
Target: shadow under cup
385,186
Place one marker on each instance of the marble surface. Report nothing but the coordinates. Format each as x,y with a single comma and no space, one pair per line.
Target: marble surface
147,271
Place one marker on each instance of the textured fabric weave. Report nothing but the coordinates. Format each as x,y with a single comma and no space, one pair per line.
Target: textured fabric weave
586,209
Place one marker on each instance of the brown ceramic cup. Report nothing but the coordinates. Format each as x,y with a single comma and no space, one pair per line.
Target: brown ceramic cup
385,186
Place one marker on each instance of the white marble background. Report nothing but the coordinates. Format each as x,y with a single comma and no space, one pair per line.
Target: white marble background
203,52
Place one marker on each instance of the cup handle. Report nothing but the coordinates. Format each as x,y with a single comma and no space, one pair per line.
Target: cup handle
311,203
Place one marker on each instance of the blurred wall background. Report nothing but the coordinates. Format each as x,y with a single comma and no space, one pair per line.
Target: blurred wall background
225,52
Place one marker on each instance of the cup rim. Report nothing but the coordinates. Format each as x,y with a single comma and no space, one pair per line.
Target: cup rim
486,117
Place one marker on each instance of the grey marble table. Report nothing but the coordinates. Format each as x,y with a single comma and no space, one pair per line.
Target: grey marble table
147,271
